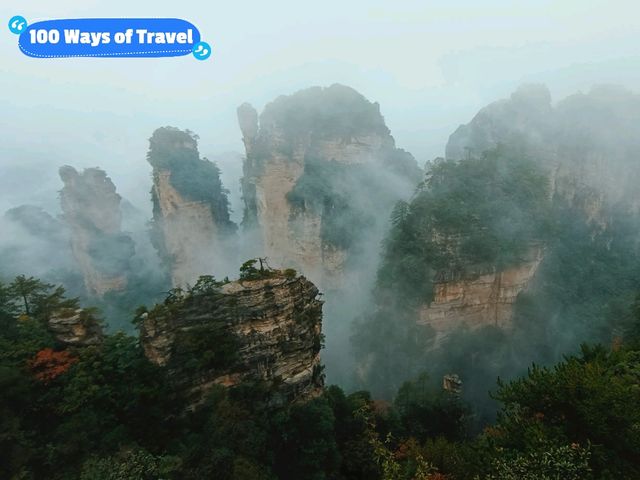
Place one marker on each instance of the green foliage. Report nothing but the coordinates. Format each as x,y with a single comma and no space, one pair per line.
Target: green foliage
482,215
467,218
26,304
118,307
590,399
340,193
23,339
426,411
227,436
566,462
207,285
589,279
113,415
394,344
209,345
352,433
249,270
32,297
633,324
206,347
110,395
475,213
130,465
309,450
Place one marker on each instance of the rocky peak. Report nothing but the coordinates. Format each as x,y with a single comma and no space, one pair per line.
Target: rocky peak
532,97
91,208
248,120
526,119
589,140
587,146
264,330
190,206
310,158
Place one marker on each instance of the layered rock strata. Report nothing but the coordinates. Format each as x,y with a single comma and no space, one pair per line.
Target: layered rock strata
76,327
478,299
264,331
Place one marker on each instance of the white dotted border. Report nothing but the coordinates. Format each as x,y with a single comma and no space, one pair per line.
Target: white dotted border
123,54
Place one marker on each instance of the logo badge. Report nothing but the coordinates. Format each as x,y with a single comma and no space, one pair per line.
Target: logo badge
17,24
202,50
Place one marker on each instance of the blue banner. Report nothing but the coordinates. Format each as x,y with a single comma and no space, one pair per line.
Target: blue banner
112,37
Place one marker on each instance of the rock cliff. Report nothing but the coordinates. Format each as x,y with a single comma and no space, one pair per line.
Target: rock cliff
586,143
91,208
262,331
478,299
530,224
75,327
321,175
190,207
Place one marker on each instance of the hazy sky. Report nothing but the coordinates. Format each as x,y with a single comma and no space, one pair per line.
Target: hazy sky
431,66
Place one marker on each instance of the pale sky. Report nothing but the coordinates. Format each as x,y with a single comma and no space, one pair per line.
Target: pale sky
431,66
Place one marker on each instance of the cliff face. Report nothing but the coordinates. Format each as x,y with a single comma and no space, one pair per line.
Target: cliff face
75,327
91,208
586,143
264,331
530,224
190,208
320,178
480,299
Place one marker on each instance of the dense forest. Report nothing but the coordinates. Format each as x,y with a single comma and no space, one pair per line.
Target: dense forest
105,412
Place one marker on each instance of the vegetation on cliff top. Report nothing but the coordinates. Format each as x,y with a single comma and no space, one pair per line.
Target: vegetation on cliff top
473,214
197,179
176,152
333,112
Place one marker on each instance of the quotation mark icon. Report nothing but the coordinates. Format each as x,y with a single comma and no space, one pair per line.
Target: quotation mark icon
17,24
202,50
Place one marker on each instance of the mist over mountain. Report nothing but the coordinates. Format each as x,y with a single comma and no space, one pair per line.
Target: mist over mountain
392,241
518,247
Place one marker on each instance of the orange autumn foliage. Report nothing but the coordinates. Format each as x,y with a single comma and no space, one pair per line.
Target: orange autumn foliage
49,364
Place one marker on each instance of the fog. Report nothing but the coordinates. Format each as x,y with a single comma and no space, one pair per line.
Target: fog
430,65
